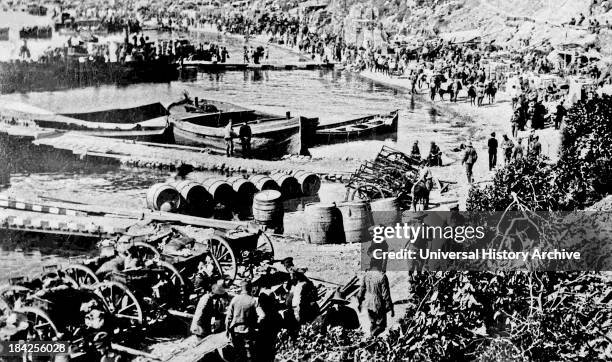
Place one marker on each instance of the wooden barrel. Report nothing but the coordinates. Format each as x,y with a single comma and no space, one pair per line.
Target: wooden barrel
324,224
161,193
242,186
386,211
263,182
268,210
309,182
221,191
289,186
356,220
245,190
196,200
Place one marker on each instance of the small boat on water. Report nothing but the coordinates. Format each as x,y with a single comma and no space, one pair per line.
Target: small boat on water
269,136
202,124
141,123
355,129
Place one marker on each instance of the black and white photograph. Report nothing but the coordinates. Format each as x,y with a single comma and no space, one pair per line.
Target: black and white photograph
305,180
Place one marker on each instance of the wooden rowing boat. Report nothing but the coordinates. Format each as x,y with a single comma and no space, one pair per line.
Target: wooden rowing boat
269,136
355,129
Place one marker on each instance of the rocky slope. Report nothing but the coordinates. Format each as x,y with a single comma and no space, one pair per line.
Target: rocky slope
509,22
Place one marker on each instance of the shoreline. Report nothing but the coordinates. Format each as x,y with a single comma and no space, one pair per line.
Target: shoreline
479,123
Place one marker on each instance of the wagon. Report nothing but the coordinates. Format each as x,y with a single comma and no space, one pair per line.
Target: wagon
391,174
53,305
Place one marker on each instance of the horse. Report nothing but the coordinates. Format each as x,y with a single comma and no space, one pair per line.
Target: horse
420,193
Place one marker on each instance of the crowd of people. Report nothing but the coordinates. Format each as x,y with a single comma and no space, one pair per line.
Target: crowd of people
253,318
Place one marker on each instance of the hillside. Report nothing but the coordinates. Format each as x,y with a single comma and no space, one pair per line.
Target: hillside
508,22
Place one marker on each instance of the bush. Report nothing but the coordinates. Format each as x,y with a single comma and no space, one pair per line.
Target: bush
585,163
531,178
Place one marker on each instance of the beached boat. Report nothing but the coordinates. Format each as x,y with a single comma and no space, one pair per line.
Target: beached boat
269,136
355,129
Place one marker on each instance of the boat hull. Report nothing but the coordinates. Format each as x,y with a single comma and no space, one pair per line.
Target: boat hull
266,142
367,128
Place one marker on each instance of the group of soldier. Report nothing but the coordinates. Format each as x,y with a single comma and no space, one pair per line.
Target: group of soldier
253,318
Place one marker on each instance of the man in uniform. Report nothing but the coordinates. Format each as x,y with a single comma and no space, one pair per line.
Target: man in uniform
209,316
241,323
492,144
228,136
245,139
469,159
375,291
561,112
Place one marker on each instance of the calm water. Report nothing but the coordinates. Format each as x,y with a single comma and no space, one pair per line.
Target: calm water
329,95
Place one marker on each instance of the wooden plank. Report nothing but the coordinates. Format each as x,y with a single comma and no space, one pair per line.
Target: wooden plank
206,346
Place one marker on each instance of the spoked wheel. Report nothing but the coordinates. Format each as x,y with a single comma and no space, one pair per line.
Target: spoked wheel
366,192
84,276
144,251
41,326
174,277
14,294
224,254
265,247
121,302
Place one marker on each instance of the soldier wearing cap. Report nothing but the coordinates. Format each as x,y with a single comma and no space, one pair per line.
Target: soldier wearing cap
241,323
376,293
209,316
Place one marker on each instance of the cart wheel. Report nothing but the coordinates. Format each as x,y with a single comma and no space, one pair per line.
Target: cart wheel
84,276
14,293
120,301
145,251
264,245
175,278
41,325
224,254
367,192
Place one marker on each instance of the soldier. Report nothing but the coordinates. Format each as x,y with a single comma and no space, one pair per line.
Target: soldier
241,322
469,159
209,316
375,291
245,139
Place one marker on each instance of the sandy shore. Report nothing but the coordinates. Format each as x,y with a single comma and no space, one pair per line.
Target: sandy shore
479,123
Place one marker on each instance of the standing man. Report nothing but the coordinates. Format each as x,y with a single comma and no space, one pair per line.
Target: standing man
469,159
561,112
209,316
536,147
375,291
492,151
416,152
515,121
245,139
518,151
228,136
507,146
241,323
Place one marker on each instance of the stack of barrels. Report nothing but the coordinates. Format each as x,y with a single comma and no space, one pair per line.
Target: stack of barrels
348,221
221,197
